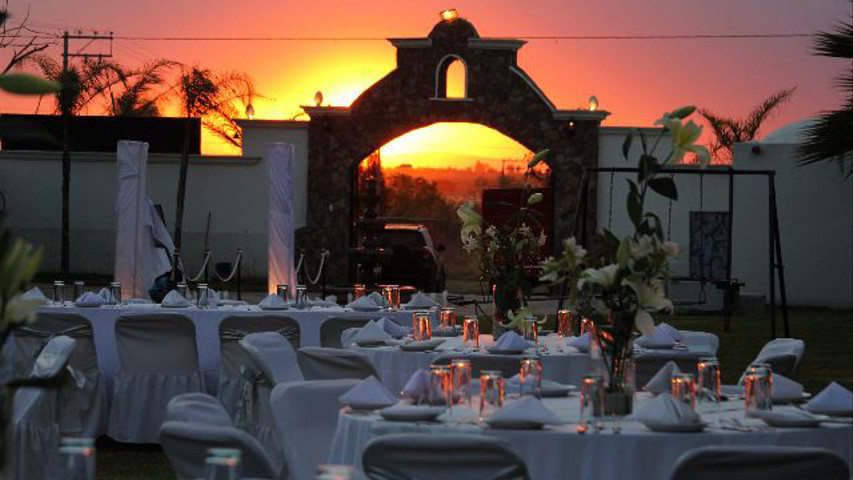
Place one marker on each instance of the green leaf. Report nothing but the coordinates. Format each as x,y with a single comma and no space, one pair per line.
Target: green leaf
648,166
534,199
635,210
683,112
26,84
626,145
664,186
623,254
538,158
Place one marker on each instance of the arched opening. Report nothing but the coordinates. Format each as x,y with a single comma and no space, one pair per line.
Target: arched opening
416,182
451,78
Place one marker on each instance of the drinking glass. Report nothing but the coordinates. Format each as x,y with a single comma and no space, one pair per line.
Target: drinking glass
531,330
440,385
335,472
423,328
281,291
530,376
564,323
447,317
301,299
683,388
491,392
708,384
183,290
79,289
59,292
758,388
394,301
471,332
460,370
358,291
222,464
587,325
386,294
202,297
77,456
115,293
592,401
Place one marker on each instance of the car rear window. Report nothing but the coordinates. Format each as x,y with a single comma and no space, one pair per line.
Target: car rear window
409,238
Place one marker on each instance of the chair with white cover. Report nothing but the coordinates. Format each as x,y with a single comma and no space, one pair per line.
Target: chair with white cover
85,407
333,327
416,456
197,408
318,363
158,360
306,416
745,462
232,356
783,354
272,361
34,450
186,444
508,365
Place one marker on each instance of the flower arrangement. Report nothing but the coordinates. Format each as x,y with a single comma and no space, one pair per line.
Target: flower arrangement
507,253
620,285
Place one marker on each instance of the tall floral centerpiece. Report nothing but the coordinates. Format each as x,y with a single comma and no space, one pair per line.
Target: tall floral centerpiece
508,255
619,283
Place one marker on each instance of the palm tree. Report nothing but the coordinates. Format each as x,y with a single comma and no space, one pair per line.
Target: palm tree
137,96
730,130
81,84
215,98
831,137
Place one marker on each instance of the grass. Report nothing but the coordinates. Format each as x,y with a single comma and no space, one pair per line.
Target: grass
829,357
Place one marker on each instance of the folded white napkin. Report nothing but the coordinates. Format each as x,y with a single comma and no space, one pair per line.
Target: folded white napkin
34,294
174,299
418,385
392,328
319,302
421,300
368,394
661,381
106,295
658,340
511,341
272,302
363,304
527,412
371,332
671,331
89,299
581,342
834,399
790,414
665,410
785,389
213,297
378,299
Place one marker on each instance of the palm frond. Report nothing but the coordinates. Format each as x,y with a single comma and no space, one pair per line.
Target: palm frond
837,43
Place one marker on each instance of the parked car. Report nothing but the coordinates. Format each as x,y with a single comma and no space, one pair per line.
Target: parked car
409,258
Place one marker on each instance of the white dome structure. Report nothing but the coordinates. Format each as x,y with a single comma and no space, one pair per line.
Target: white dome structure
792,133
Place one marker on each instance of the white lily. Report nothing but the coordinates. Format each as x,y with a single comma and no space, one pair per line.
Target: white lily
650,296
684,137
643,247
672,249
571,245
605,276
471,220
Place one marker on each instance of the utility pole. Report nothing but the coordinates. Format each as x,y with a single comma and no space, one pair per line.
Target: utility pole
65,111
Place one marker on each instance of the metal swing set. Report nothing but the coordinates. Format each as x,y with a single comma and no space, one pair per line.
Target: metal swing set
710,255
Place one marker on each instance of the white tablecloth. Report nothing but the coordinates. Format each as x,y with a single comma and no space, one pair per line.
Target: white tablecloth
561,453
395,366
206,322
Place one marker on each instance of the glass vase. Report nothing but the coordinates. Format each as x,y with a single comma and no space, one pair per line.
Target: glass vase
504,301
617,356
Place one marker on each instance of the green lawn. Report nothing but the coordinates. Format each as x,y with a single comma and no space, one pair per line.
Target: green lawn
829,356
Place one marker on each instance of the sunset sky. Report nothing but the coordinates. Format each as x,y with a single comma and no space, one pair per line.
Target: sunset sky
635,80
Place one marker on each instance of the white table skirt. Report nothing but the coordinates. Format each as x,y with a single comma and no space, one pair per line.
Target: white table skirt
561,453
206,322
396,366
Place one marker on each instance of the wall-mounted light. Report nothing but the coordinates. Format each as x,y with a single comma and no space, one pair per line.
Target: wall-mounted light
250,112
593,103
571,125
449,14
318,98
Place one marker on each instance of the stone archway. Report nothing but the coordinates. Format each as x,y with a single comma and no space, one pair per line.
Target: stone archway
499,95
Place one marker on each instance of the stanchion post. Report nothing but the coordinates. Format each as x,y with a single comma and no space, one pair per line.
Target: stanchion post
239,274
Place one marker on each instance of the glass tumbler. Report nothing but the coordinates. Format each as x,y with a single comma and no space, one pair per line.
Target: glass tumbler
440,385
491,392
358,291
531,330
708,383
79,289
202,297
683,388
77,457
335,472
423,328
591,402
301,296
460,370
530,376
758,388
281,291
564,323
183,290
471,332
222,464
59,292
394,301
115,293
447,317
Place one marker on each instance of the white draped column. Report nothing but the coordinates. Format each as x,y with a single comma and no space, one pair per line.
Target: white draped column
280,249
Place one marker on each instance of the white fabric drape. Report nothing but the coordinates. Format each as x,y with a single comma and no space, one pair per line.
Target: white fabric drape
138,260
280,249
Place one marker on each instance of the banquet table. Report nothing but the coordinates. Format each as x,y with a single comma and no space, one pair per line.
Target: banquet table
560,452
560,363
206,323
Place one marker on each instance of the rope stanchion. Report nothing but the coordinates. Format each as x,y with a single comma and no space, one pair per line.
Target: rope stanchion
316,279
200,274
233,270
